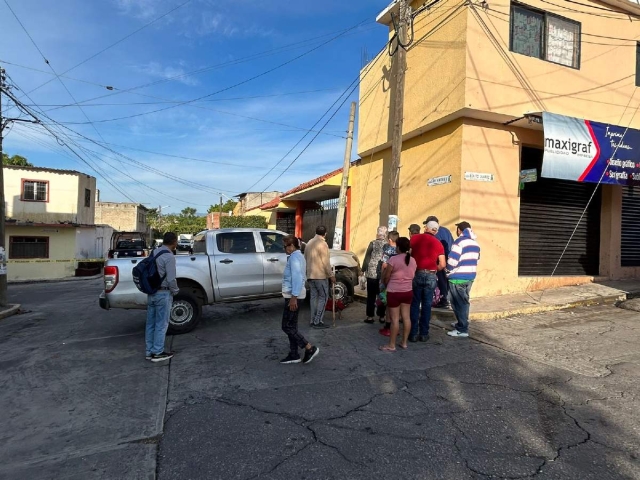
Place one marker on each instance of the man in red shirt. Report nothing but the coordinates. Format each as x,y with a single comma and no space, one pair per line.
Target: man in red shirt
428,252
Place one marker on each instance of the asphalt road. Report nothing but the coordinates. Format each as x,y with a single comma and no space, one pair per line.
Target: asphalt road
528,398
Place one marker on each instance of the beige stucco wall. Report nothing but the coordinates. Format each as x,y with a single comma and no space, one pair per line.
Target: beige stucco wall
434,81
66,196
493,209
599,90
60,264
125,217
433,154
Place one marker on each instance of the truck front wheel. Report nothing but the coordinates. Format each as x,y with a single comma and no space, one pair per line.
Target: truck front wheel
343,287
185,314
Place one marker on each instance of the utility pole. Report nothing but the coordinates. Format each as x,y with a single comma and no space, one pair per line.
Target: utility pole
400,66
342,205
3,252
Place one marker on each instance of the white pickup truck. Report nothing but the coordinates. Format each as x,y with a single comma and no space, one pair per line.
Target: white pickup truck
227,265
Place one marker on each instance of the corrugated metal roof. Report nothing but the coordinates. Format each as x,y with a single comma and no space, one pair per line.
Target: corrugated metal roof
43,169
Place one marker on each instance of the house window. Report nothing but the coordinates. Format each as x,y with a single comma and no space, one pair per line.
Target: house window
141,218
87,198
549,37
35,191
28,247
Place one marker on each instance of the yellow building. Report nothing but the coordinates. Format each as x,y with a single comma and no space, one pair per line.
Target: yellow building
483,81
50,230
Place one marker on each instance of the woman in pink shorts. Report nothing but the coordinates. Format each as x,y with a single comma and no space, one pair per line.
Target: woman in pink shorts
398,277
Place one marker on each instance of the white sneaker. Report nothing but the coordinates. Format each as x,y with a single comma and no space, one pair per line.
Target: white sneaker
456,333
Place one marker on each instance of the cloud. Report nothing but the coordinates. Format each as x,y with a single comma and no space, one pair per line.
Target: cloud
154,69
211,23
142,9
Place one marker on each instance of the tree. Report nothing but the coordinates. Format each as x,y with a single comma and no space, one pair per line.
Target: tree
15,160
226,207
188,212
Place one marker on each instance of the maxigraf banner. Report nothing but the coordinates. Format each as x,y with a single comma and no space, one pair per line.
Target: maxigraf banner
585,151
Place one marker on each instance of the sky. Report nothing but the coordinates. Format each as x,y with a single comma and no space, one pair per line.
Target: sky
164,115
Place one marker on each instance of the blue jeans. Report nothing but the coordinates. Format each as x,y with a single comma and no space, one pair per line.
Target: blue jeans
424,285
158,311
319,296
459,298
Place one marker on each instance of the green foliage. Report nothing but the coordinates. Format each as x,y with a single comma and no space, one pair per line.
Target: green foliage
226,207
15,160
250,221
185,223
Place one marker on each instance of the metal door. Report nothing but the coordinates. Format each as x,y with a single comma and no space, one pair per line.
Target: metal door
324,216
286,222
550,209
238,264
274,259
630,238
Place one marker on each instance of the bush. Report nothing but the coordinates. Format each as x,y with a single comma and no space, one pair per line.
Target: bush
250,221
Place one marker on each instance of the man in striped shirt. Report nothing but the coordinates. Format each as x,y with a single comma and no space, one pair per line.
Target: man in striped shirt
462,265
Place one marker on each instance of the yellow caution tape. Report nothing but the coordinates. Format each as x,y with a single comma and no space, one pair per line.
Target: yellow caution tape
65,260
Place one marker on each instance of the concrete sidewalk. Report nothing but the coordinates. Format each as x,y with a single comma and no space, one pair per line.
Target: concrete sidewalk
491,308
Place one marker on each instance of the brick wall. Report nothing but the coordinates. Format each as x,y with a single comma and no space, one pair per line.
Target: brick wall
213,220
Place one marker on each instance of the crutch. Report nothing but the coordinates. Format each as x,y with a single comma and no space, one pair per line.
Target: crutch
333,295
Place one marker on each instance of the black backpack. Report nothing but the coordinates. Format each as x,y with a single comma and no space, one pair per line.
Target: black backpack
146,275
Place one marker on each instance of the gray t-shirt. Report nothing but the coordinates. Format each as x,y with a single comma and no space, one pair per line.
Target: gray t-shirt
167,266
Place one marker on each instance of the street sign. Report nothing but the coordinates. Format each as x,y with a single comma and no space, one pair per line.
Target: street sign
478,177
439,180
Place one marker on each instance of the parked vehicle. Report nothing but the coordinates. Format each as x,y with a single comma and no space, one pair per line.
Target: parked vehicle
128,244
185,245
227,265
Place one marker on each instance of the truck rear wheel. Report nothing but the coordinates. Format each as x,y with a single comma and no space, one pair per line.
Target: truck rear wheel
185,314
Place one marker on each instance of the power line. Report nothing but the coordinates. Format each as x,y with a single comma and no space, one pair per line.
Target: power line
52,69
255,77
159,102
255,56
354,84
104,176
113,44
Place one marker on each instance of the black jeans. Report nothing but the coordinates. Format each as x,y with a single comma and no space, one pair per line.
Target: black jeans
443,285
373,289
290,327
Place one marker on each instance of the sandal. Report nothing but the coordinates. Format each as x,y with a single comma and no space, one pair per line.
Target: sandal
404,347
386,348
368,320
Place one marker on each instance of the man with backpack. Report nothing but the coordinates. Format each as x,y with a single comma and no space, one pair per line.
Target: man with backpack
159,303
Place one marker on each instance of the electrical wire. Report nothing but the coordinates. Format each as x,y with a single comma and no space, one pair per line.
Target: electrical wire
255,56
504,14
155,20
53,70
58,136
255,77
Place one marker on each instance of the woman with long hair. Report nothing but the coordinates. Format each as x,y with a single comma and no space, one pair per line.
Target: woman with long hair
398,277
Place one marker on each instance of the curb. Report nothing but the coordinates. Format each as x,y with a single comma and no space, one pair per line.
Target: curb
443,315
10,310
54,280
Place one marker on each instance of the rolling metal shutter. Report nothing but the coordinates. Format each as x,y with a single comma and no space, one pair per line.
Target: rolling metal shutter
630,241
549,211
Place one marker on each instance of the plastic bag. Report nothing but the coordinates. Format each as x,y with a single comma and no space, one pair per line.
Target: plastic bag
362,282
